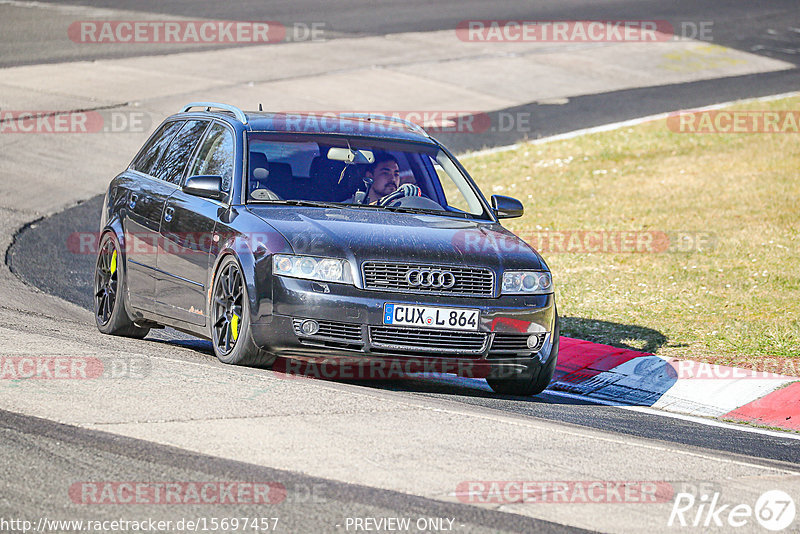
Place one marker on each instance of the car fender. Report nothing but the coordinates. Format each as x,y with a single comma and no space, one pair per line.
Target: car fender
256,266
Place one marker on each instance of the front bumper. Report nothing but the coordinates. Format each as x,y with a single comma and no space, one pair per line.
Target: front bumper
351,327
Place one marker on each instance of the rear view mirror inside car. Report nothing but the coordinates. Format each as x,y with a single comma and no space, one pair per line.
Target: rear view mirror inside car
351,156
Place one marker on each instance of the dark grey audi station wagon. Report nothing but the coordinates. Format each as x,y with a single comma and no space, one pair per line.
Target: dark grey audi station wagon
355,237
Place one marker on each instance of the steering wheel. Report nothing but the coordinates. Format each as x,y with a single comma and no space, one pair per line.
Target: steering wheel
416,202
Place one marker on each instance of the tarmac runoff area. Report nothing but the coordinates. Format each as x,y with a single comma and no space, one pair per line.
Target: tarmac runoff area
188,400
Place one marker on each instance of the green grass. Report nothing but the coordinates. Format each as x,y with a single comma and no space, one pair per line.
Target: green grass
735,302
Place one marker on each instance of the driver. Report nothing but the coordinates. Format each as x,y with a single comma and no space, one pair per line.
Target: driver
384,173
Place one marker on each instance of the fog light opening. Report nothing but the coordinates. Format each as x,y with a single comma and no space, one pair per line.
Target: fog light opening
536,342
309,327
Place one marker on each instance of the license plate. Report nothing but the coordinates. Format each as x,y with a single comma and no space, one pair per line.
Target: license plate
430,317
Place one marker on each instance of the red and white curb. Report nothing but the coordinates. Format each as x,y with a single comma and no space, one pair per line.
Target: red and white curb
636,378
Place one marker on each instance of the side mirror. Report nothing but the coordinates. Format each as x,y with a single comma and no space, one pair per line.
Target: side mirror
204,186
507,207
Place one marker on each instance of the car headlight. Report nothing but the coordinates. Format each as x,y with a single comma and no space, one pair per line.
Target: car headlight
312,268
527,283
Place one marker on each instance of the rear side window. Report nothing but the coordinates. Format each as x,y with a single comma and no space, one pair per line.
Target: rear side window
173,164
150,154
216,156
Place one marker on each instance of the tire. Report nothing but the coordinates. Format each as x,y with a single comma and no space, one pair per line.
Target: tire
231,338
110,314
529,382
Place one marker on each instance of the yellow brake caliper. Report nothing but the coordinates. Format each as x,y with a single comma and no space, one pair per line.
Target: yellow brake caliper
235,327
114,262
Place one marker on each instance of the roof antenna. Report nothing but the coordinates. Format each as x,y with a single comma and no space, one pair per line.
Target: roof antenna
260,108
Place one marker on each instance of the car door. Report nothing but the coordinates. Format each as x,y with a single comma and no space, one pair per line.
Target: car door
187,232
141,217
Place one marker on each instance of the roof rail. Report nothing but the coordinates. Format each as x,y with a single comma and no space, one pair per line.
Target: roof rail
377,116
238,113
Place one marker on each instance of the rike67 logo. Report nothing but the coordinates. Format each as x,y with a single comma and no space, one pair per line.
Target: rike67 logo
774,510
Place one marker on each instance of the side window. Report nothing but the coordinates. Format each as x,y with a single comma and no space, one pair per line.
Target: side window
171,167
149,155
216,155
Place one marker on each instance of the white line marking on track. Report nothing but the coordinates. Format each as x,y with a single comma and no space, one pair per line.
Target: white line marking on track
690,418
617,125
482,385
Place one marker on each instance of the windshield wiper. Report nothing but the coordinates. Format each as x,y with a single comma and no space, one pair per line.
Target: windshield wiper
342,205
405,209
314,203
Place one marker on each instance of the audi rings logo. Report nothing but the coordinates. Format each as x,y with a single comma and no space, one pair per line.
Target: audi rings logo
430,278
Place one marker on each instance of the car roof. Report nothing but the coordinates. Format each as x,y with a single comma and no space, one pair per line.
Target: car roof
320,123
332,123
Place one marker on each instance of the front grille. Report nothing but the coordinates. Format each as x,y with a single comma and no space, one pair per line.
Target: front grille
427,341
386,276
515,344
332,333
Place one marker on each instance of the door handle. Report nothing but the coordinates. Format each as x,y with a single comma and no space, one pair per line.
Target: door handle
132,200
168,213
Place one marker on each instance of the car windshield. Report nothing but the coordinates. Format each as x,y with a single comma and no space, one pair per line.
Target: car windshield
310,170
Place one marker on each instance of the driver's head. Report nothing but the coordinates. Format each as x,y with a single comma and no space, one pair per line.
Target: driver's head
385,174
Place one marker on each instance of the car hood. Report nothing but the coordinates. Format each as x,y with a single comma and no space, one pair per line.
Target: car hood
361,234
